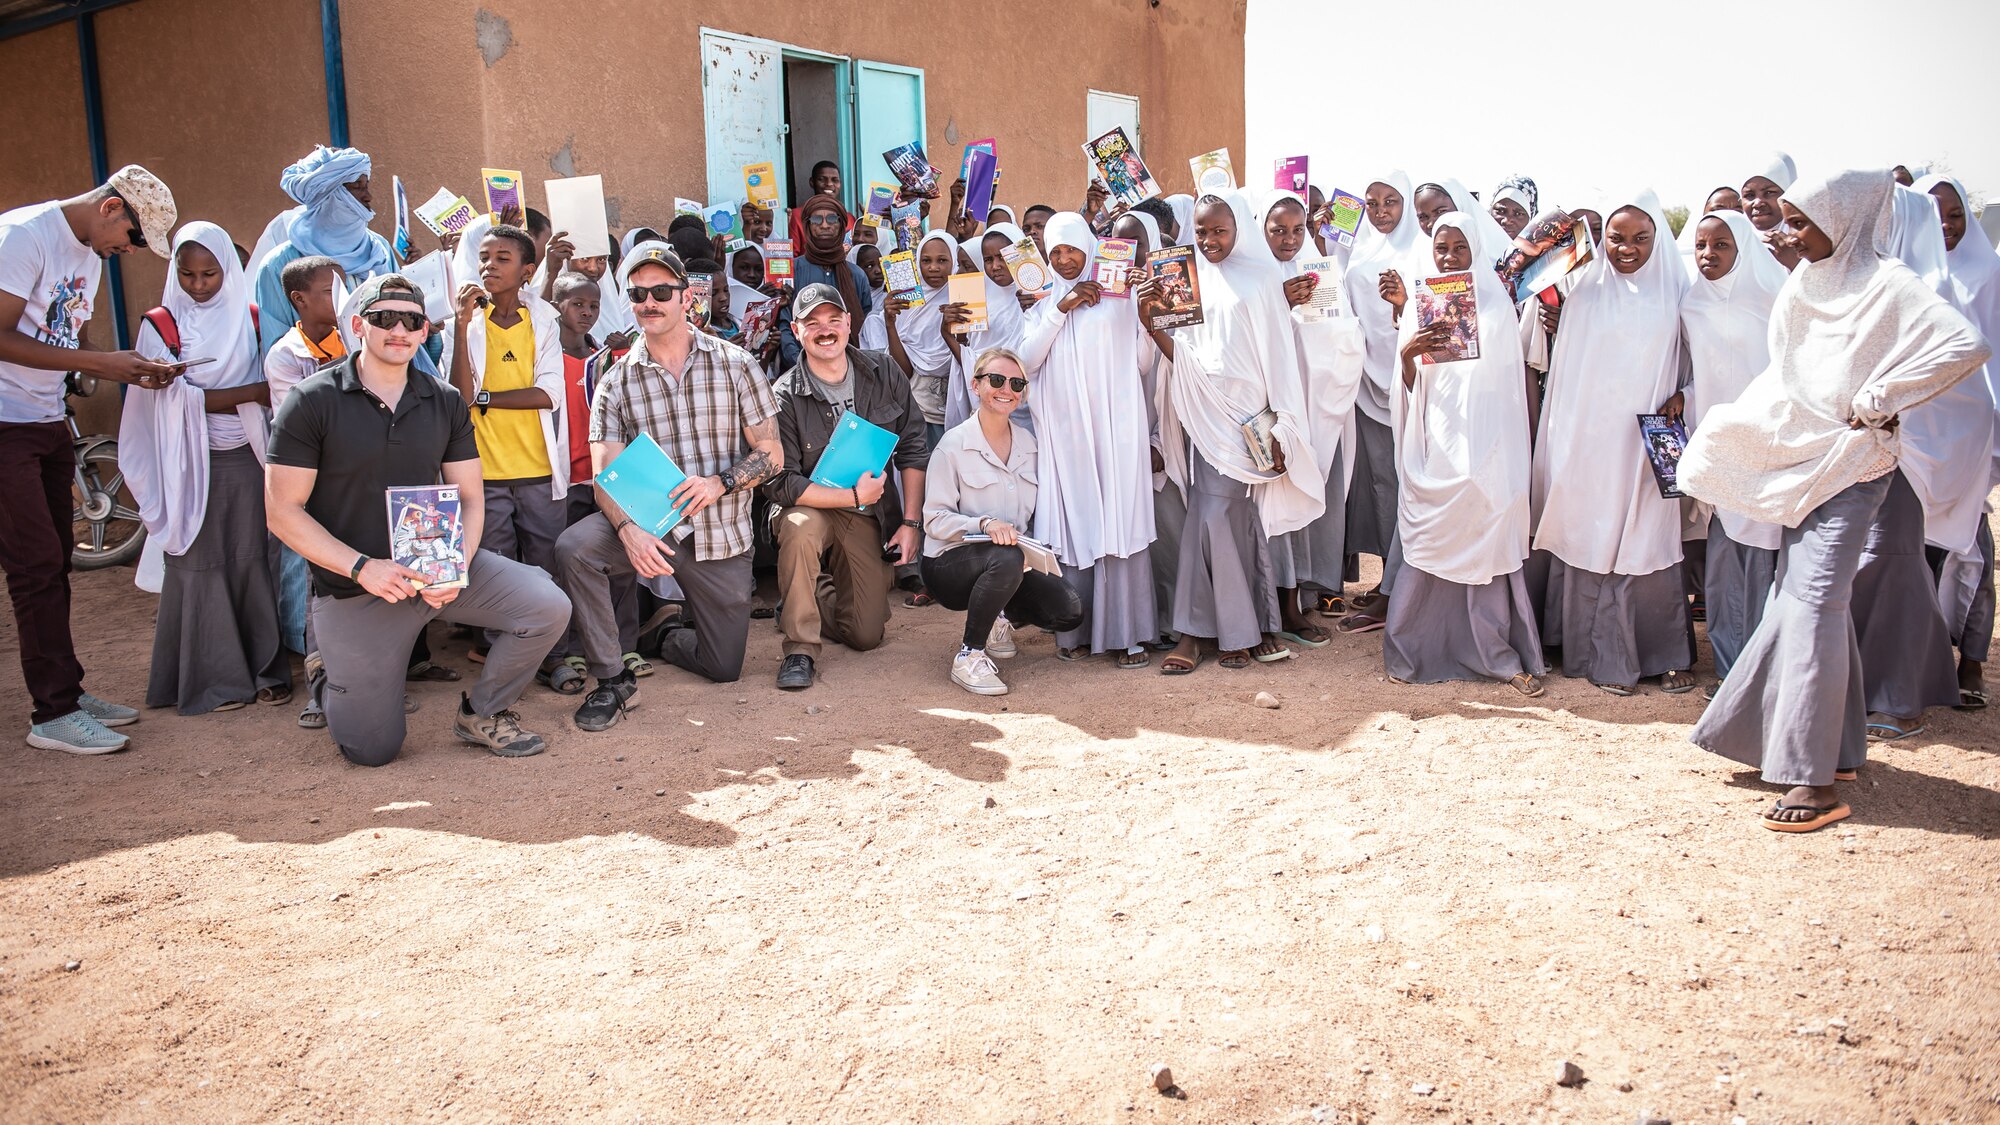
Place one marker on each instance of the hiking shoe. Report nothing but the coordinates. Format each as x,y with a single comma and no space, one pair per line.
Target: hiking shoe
974,671
110,714
499,732
1000,642
605,705
796,673
78,732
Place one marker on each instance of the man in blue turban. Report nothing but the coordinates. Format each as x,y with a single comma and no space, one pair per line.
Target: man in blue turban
331,187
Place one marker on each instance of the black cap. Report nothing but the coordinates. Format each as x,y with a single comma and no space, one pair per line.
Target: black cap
813,296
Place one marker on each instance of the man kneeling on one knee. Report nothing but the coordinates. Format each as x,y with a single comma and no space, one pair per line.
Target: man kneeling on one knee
832,573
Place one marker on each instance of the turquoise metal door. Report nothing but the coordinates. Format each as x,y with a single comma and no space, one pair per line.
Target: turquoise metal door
888,112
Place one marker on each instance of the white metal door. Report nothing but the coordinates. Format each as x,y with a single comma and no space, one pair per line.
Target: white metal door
743,109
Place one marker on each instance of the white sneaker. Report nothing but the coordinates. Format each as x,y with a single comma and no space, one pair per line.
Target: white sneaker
80,733
974,671
1000,642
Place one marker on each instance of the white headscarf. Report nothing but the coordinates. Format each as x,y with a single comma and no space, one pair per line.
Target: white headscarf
920,328
1462,442
1618,355
999,207
1975,284
1093,442
1725,324
1375,252
1491,233
1780,169
1241,360
1856,335
1005,325
1330,350
1183,208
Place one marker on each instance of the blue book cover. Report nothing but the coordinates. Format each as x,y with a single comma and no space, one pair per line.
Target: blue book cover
858,446
639,479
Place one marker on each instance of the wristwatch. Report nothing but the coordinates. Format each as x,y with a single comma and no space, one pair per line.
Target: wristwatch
911,523
360,562
482,400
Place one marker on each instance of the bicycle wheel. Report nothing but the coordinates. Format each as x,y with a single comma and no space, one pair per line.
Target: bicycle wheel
105,524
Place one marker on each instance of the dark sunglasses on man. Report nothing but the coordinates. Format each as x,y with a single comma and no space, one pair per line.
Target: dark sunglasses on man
660,294
388,319
133,234
1012,382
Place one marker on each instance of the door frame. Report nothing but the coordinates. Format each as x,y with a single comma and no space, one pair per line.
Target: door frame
843,77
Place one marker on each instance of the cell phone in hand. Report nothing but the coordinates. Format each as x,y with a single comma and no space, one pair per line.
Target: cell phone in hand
187,363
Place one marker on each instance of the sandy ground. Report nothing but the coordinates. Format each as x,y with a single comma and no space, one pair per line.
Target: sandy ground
888,900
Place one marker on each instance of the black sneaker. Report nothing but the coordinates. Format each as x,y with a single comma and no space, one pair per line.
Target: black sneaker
607,703
796,673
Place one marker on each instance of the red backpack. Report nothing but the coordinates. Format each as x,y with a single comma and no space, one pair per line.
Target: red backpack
170,333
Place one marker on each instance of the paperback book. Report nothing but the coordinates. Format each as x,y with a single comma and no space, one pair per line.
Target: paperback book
1289,174
1035,554
1113,266
900,278
907,222
1451,299
1340,219
1032,274
980,183
1546,250
857,447
1258,436
401,242
1665,440
760,184
912,170
445,213
881,197
778,261
1213,173
426,535
503,190
1328,301
1180,288
1118,165
701,290
759,317
968,289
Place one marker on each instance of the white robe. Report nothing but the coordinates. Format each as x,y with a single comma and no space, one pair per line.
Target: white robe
1725,325
1331,352
1373,253
1006,326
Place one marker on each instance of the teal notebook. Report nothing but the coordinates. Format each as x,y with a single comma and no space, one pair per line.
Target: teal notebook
858,446
639,479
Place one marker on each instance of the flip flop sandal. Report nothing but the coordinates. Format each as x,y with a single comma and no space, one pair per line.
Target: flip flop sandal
1526,684
1358,622
1332,605
1890,732
275,696
1368,601
920,600
1619,690
424,671
1300,638
1708,690
312,720
1823,815
1131,660
1234,661
1072,655
638,665
1179,665
1161,645
231,705
1673,686
1281,653
1971,699
1847,775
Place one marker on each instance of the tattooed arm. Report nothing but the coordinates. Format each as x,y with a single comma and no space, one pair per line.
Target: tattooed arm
766,457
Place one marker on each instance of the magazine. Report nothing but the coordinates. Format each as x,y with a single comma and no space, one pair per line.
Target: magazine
1035,554
1118,165
1180,288
760,184
759,317
1289,174
1340,219
503,190
1549,248
425,534
912,170
1113,266
1328,300
1032,275
1263,445
778,261
1449,298
1665,439
641,480
1213,174
907,221
445,213
968,289
701,289
900,278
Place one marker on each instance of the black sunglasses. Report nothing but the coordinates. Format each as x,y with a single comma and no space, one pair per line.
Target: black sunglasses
661,293
133,234
1012,382
386,319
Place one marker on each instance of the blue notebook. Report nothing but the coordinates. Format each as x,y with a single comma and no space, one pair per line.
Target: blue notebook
858,446
639,479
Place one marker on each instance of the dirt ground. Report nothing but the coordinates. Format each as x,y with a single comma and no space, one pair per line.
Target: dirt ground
888,900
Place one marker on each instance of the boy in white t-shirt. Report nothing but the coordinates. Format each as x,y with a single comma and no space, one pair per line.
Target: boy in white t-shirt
51,257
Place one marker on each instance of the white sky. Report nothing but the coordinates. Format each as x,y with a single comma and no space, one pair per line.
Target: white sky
1675,97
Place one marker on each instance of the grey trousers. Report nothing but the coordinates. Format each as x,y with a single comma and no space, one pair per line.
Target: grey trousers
590,558
582,504
523,523
365,644
1169,517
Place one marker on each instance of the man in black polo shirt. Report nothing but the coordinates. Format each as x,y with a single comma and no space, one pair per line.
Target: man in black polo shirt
343,438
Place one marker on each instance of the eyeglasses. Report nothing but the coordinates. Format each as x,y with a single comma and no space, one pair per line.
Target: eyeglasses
823,220
661,293
133,234
387,319
1012,382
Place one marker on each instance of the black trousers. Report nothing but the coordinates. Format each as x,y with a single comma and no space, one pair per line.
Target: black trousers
37,464
986,579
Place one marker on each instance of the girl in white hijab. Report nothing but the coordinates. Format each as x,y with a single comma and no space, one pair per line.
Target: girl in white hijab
1238,364
1461,610
1856,339
1183,208
1006,322
872,334
1087,354
1724,320
929,348
193,454
1330,352
1388,242
1169,505
1614,602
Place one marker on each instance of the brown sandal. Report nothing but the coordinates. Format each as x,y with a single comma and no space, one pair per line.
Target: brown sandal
276,696
1234,661
1177,665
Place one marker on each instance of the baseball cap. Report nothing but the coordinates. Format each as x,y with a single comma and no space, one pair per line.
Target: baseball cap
370,294
151,204
651,252
813,296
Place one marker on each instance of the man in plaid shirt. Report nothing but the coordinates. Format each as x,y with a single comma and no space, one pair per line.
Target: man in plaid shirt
709,407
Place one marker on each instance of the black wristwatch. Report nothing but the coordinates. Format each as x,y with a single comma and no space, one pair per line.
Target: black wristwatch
482,400
355,573
912,523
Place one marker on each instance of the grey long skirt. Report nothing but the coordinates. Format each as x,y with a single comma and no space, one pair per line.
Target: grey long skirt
1223,588
1118,607
1794,703
1371,496
1169,516
1439,630
1314,554
217,638
1906,659
1618,628
1737,584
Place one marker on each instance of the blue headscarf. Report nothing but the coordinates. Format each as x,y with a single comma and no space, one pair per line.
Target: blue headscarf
334,223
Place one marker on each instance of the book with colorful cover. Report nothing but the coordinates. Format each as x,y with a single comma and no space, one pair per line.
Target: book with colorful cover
760,184
1329,300
912,170
701,290
445,213
724,219
1289,174
686,207
1119,167
1180,288
1452,299
881,197
1550,247
427,534
907,223
759,317
980,187
1340,219
968,289
641,479
1664,439
778,261
1260,436
1112,267
1032,274
857,447
1213,173
503,190
989,146
401,242
901,279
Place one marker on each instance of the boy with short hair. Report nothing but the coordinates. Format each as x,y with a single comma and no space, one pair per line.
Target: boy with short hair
314,341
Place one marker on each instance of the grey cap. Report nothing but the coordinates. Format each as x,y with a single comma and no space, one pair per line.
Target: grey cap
651,252
813,296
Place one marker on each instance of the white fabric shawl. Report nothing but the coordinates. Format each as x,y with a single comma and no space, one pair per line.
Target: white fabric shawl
1331,351
1617,355
1856,335
1375,252
1725,325
921,328
1947,442
1240,361
1006,325
1183,208
1975,287
1462,444
164,436
1093,447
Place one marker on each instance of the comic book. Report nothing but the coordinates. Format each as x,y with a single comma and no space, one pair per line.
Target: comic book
1289,174
1213,173
778,261
1173,266
1449,298
1340,219
1113,265
1547,248
759,317
907,223
1329,300
426,535
968,289
1032,275
1665,439
701,290
900,277
1121,170
912,170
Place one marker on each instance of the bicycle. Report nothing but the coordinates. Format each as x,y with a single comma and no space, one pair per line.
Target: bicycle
105,526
